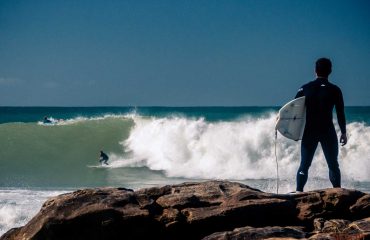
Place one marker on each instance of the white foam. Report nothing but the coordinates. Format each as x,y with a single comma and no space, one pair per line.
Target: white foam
236,150
62,122
17,207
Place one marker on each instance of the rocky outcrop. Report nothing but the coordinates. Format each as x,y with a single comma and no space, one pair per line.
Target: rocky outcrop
259,233
342,229
205,210
334,229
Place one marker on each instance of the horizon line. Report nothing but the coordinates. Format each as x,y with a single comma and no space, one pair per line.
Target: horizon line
158,106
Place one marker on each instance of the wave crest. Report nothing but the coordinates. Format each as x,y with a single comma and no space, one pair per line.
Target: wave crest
243,149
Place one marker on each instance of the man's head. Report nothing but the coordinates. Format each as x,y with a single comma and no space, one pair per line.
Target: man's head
323,67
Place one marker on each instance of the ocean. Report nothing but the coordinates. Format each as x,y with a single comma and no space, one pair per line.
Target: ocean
155,146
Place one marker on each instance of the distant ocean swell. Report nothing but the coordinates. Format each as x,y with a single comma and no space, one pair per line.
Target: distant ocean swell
178,146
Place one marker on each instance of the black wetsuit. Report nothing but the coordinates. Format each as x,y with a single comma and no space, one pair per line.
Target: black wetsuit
103,158
321,97
46,120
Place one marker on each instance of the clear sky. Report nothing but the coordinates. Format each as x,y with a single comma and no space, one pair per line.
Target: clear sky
179,53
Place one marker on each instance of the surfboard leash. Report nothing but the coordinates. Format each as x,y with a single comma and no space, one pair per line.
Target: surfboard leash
277,165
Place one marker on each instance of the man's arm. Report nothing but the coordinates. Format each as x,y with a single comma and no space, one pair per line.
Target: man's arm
339,107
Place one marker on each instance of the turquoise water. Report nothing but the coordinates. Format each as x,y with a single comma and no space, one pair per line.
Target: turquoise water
150,146
32,152
34,114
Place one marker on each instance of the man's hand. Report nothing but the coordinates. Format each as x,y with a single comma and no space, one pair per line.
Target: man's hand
343,139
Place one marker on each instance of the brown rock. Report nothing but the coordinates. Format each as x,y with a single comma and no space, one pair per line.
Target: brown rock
332,225
89,214
325,236
359,227
328,203
260,212
335,225
339,236
10,234
362,207
188,211
318,224
343,229
259,233
170,216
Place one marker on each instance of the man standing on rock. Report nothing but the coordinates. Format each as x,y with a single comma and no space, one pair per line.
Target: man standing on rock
321,97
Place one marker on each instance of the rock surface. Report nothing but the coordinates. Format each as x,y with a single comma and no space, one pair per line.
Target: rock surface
205,210
259,233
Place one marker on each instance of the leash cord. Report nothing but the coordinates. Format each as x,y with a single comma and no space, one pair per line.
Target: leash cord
277,166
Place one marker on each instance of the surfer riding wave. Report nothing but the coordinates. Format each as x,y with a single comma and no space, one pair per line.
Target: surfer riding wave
103,158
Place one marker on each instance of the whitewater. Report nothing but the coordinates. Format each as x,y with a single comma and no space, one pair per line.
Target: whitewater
157,146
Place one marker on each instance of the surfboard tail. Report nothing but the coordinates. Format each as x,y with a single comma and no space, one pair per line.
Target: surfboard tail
291,119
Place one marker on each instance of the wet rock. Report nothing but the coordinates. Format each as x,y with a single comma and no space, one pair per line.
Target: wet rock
362,207
359,228
259,233
341,229
194,211
328,203
318,224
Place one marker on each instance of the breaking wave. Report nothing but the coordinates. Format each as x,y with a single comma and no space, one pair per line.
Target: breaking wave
177,146
241,149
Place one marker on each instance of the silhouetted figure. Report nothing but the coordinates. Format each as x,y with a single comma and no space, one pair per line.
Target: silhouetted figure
321,97
47,120
103,158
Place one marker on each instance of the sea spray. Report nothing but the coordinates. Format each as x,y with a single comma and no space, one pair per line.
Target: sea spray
18,206
242,149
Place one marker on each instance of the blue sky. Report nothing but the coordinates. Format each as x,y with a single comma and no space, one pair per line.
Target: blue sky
178,53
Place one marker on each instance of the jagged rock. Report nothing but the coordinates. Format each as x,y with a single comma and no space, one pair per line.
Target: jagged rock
335,229
318,224
11,233
359,228
340,236
328,203
334,225
187,211
362,207
259,233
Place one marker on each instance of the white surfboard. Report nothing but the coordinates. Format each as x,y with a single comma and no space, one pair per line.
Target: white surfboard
292,119
96,166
